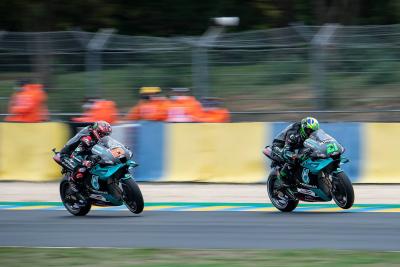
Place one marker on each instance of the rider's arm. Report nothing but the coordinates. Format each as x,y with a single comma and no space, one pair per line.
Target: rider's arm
288,150
86,142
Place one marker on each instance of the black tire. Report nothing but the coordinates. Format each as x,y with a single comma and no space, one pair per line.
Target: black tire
133,198
285,205
82,210
343,192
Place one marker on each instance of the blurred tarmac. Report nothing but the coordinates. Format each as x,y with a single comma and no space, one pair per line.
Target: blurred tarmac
194,192
225,229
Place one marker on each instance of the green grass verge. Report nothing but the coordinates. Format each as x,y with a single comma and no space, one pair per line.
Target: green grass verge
13,257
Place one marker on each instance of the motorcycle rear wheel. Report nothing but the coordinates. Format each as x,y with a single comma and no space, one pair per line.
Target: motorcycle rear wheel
133,197
69,204
343,192
284,203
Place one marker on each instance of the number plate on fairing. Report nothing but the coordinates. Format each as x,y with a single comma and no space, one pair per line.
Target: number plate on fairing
117,152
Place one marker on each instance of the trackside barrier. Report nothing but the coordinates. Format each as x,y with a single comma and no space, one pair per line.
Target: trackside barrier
25,150
215,153
189,152
380,155
232,152
150,151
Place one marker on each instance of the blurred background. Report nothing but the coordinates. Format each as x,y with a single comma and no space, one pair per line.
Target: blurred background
231,61
138,64
284,59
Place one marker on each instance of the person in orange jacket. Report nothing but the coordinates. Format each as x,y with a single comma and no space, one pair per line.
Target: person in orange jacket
151,107
28,103
213,110
183,107
96,109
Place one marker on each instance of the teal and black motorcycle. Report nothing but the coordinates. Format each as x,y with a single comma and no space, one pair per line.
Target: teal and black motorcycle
108,183
318,175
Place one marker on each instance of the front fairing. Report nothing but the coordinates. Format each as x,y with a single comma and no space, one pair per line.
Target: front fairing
106,171
100,175
317,165
111,151
112,157
105,155
323,145
111,143
325,153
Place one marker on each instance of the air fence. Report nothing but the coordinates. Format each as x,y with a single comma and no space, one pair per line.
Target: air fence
191,152
334,72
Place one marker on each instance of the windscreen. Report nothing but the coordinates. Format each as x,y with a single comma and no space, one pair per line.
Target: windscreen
321,136
111,143
111,150
323,145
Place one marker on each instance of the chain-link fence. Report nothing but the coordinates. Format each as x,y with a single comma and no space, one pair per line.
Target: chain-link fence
338,72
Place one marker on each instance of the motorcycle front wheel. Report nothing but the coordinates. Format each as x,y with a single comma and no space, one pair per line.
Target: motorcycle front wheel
132,196
342,191
71,200
278,198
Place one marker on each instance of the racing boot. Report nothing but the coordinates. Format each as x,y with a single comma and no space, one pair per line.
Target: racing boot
70,167
77,179
287,186
75,183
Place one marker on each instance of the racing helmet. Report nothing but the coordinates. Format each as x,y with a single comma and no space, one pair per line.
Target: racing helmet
101,129
308,125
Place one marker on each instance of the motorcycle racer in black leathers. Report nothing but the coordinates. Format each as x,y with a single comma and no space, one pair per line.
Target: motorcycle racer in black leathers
80,145
286,143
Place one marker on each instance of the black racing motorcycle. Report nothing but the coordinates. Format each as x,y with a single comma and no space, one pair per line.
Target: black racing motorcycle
108,183
318,175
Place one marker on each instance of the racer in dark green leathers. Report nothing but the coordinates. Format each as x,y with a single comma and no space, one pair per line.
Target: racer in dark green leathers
285,144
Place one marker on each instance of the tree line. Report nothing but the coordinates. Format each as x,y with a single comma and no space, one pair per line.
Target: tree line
188,17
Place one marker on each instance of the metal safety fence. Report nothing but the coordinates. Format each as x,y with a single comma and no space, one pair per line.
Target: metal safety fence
350,72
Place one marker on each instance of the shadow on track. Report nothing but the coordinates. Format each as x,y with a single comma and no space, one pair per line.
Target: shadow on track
92,216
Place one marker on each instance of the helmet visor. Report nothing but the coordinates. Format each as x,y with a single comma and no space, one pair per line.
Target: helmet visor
308,131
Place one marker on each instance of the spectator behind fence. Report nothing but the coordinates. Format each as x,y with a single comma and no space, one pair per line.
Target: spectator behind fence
182,107
151,107
28,103
213,111
96,109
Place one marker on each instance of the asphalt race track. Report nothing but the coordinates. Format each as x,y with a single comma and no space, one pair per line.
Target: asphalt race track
220,229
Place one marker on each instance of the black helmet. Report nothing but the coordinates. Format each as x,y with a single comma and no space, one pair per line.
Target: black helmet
101,129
